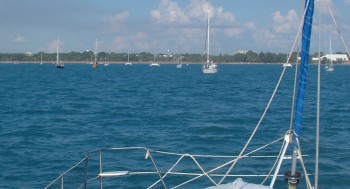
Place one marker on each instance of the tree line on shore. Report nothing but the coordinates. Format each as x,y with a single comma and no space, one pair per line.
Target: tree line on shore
88,56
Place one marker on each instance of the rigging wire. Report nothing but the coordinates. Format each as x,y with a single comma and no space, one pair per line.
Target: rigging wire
318,105
337,27
267,107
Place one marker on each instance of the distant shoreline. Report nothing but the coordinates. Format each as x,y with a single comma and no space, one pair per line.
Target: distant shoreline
84,62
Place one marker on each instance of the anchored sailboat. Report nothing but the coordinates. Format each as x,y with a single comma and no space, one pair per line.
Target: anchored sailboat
209,67
95,64
41,58
59,63
154,63
329,65
179,65
128,63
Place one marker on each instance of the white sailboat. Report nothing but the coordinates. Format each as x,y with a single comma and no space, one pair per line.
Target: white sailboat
179,65
154,63
287,64
209,67
95,64
329,65
128,63
41,58
106,63
216,176
59,64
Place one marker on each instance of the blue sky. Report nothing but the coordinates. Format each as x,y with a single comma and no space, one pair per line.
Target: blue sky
157,26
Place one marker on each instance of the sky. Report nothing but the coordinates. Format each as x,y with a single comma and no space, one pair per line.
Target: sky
161,26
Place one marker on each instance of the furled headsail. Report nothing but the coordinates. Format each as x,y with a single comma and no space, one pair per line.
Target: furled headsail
304,67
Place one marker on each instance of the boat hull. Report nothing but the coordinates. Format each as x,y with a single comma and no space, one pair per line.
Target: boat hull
212,69
209,71
330,69
154,65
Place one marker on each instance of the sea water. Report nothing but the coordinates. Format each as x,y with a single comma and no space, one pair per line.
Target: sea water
50,118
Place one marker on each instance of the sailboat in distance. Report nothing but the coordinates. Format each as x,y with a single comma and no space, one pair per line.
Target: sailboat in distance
154,63
329,65
59,64
179,65
128,63
41,57
209,67
95,64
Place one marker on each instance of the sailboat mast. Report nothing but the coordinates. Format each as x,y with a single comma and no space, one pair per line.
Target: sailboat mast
179,56
208,38
317,152
330,50
96,51
293,176
58,45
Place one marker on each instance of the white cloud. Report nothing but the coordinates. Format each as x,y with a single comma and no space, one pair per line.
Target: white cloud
250,25
121,43
233,32
266,39
115,23
52,46
224,17
264,36
140,36
189,22
144,46
19,39
192,39
169,12
285,24
323,6
198,10
140,41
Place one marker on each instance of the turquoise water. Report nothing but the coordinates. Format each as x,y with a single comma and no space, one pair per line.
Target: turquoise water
50,118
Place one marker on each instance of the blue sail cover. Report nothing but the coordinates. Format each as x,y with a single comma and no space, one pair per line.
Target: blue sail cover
304,67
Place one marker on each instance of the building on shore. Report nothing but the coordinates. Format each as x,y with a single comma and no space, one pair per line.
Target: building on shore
333,57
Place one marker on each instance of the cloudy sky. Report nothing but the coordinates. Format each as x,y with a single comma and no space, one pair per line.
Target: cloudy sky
159,25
